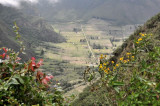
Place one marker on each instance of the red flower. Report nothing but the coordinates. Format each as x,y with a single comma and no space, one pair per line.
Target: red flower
39,76
5,50
33,64
3,55
33,59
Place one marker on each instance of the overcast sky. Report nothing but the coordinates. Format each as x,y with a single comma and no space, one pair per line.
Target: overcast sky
16,3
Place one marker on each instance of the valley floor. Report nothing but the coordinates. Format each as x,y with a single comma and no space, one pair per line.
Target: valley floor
85,42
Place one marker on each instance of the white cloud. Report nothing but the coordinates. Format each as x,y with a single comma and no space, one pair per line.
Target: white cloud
15,3
54,1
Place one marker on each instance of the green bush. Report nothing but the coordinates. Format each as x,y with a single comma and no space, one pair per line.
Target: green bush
22,83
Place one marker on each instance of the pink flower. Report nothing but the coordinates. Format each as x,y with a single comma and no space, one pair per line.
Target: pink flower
7,57
45,82
18,58
51,76
39,63
46,79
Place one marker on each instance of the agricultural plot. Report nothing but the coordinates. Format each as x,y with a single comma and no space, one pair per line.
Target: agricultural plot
67,60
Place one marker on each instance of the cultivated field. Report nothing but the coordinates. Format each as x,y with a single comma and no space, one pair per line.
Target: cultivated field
67,61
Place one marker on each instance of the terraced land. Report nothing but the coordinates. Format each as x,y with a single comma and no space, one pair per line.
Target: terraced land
85,42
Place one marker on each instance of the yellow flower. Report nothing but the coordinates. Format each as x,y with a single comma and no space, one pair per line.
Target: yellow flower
139,39
142,34
100,66
104,64
101,57
137,42
121,59
106,71
128,53
117,65
104,68
112,62
125,61
133,57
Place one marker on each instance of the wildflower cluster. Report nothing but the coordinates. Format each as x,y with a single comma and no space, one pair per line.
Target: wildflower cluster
141,38
102,57
127,58
141,63
108,68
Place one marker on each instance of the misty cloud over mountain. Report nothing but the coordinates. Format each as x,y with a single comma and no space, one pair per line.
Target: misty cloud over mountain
115,11
17,3
118,12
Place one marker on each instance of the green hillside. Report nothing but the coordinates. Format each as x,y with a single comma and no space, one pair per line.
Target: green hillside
33,30
132,80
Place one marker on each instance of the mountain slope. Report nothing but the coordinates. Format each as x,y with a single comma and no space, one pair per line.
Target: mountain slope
32,29
116,11
30,26
142,73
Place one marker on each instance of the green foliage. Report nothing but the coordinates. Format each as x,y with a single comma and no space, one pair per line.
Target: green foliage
132,76
22,84
143,87
134,79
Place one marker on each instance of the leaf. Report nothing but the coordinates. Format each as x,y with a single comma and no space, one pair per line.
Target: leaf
6,86
116,89
158,88
117,83
136,95
13,81
141,79
19,79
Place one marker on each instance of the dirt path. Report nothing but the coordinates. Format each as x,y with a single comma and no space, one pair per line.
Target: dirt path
90,49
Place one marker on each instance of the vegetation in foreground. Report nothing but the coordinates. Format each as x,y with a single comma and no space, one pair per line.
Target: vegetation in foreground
23,83
132,76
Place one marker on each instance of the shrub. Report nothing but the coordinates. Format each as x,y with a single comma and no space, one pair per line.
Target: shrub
22,83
